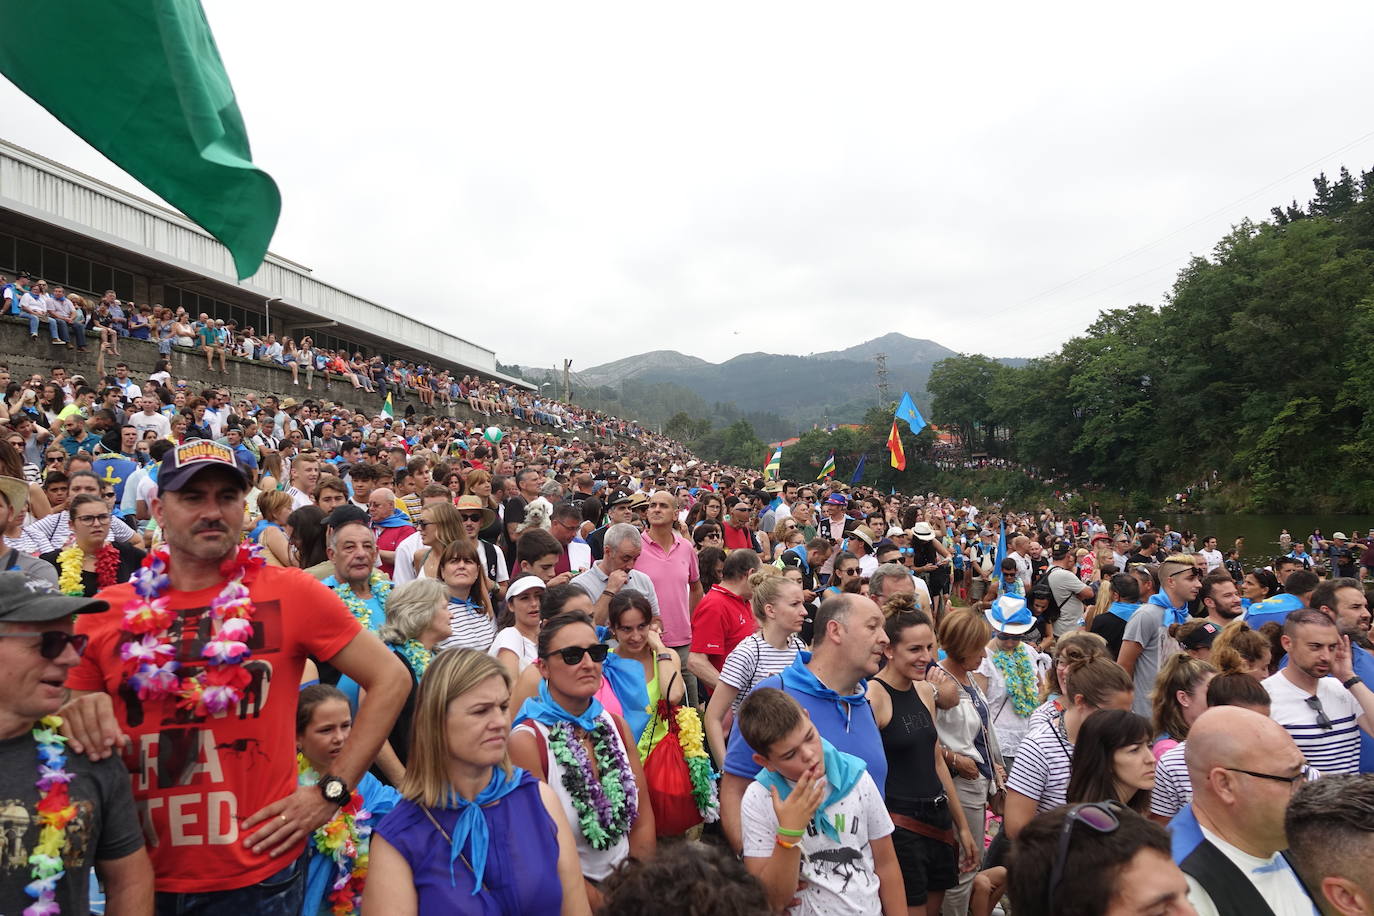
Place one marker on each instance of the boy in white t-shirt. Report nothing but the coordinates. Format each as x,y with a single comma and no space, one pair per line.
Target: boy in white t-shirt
813,815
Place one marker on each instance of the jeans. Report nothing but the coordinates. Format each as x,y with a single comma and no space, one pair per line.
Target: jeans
73,329
279,895
52,326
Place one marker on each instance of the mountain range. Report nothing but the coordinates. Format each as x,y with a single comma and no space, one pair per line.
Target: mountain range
781,394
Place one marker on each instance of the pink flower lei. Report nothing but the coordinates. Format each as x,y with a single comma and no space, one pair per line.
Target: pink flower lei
150,665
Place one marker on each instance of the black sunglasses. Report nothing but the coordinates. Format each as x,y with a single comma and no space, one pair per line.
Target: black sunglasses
52,643
1097,815
573,654
1323,720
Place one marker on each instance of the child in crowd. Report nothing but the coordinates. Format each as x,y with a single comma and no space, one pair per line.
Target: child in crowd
814,825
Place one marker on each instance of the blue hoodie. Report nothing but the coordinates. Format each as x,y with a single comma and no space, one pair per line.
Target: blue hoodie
845,721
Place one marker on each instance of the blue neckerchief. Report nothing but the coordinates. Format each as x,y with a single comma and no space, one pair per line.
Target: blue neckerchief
545,711
626,677
1122,609
800,552
842,772
471,830
397,519
798,677
1174,614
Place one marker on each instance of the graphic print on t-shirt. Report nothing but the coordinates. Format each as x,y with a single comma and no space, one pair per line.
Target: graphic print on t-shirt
16,840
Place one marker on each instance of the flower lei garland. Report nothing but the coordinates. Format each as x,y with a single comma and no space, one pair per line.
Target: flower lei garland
381,590
699,770
55,811
150,666
606,808
345,839
69,565
1018,671
417,656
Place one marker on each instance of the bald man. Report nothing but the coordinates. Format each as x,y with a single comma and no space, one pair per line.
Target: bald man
1229,840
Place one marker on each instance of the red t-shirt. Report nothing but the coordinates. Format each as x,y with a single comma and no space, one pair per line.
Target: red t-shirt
721,621
390,539
737,538
196,780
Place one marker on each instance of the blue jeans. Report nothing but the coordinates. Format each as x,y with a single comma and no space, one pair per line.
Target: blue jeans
52,326
279,895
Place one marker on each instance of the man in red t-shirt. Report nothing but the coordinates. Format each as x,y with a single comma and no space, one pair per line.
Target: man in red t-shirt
723,618
206,731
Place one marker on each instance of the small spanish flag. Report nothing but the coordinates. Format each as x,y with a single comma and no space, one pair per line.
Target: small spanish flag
828,469
894,445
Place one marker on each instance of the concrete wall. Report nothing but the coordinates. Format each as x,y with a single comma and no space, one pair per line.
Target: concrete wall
25,357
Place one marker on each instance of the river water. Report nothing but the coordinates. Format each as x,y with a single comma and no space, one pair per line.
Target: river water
1261,532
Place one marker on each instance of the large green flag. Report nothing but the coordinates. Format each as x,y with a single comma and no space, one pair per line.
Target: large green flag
142,82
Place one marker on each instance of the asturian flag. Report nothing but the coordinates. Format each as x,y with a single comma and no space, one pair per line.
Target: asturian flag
827,469
907,411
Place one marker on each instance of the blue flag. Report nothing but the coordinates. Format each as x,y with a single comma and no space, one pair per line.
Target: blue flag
858,471
1001,545
907,411
114,470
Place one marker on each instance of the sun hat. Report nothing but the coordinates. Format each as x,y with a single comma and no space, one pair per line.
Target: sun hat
1009,614
922,531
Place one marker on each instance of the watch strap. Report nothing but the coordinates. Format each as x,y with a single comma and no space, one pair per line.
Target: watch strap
1352,681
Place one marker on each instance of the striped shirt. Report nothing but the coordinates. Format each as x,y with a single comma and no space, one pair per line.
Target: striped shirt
1173,789
471,626
753,660
1335,749
1041,770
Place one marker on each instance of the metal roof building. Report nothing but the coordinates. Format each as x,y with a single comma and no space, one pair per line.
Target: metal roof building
89,236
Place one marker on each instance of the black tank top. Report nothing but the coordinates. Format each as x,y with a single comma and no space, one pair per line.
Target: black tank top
909,743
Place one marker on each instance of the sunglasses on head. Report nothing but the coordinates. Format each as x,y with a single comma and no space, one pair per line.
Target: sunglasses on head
573,654
52,643
1099,816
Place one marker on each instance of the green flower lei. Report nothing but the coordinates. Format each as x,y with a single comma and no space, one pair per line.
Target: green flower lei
381,590
602,828
1018,671
416,655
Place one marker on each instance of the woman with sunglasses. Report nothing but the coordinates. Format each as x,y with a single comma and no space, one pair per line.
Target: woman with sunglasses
472,833
584,753
90,564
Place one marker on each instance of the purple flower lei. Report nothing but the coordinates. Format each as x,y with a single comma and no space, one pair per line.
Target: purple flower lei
608,806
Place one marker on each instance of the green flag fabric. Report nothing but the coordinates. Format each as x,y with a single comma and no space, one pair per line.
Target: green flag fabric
142,82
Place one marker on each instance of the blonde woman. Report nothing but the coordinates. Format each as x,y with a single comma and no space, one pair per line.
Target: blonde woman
440,525
472,833
270,532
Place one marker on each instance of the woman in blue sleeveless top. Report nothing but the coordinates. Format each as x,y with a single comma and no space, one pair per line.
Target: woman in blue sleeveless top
472,834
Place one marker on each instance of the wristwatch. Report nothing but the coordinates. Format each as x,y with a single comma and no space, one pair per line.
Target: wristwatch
334,790
1352,681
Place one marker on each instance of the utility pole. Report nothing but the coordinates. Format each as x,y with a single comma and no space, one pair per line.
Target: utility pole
567,381
884,391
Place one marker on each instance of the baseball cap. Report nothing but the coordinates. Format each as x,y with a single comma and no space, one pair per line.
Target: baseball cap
835,499
187,460
1201,637
1061,549
25,600
524,584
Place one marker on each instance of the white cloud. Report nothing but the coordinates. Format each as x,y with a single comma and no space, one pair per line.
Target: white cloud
578,180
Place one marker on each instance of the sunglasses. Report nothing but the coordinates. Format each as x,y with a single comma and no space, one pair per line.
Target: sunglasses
1323,720
473,517
573,654
52,643
1019,637
1098,816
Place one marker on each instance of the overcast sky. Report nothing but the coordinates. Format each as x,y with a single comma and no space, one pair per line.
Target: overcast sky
594,180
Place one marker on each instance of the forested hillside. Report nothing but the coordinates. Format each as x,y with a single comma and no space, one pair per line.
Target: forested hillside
1259,366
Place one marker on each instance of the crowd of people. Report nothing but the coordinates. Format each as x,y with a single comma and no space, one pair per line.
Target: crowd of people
277,656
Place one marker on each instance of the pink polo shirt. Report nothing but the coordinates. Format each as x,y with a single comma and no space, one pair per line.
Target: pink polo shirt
672,572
